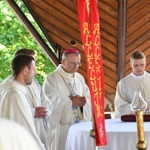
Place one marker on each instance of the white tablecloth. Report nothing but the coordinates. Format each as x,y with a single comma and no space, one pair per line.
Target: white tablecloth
120,136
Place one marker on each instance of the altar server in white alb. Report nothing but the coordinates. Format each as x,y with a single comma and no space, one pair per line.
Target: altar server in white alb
14,97
41,107
138,79
13,136
68,87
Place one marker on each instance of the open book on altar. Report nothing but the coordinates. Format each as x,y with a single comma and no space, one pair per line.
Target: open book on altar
132,118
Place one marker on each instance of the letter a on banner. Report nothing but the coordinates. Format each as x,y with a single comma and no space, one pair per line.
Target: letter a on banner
90,35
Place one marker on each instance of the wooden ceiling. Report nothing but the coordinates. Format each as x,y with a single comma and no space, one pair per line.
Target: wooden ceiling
59,22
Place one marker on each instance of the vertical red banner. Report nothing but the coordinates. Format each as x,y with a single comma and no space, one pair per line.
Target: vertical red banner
90,35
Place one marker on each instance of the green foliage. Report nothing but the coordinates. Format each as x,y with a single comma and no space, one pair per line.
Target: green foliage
13,36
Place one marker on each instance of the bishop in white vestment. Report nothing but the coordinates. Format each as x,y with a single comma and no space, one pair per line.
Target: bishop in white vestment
70,96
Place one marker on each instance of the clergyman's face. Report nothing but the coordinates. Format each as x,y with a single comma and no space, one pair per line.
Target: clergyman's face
30,73
138,66
71,63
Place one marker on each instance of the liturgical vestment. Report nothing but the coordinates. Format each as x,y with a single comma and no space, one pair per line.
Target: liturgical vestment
125,92
59,87
15,106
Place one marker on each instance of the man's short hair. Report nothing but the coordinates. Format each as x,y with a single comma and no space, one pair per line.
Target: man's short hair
25,51
137,55
19,62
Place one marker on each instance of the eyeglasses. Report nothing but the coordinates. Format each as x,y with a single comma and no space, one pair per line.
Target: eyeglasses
74,63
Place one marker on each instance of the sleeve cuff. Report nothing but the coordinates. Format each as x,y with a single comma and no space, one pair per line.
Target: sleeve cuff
33,112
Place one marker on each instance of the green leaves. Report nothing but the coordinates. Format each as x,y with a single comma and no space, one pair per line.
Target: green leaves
13,36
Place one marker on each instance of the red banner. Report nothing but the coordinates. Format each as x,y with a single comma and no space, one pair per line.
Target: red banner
90,35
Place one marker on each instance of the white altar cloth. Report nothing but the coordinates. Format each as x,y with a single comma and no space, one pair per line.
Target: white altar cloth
120,136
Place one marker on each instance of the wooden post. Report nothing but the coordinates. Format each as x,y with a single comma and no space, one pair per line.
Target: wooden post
121,59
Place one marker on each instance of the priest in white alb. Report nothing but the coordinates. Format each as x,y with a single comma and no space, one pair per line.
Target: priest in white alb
137,80
14,104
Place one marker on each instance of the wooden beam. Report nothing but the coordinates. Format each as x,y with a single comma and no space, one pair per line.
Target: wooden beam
121,50
33,32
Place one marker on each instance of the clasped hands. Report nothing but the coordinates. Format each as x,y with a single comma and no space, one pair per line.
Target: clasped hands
78,100
40,112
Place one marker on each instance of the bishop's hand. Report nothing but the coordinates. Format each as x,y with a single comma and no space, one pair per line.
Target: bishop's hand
78,100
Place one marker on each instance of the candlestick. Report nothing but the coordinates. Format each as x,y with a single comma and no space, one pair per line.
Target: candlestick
138,105
141,144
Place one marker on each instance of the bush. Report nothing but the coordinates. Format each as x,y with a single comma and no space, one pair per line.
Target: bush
13,36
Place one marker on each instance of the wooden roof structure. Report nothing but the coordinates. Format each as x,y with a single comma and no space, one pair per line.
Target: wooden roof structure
124,28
